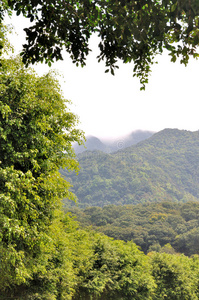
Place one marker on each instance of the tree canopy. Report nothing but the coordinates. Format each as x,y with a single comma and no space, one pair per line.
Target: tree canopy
152,226
36,132
133,31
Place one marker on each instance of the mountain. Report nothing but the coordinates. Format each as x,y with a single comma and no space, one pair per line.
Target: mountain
111,145
92,143
161,168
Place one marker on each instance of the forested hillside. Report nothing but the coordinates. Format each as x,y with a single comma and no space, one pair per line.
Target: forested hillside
162,227
163,167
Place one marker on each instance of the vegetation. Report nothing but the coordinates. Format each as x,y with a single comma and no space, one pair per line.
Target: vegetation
44,255
152,226
36,132
161,168
132,31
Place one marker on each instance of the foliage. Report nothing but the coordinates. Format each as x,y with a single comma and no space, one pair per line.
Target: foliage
44,255
117,271
128,30
36,132
161,168
175,276
161,227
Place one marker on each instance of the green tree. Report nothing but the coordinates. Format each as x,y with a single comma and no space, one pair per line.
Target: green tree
175,276
117,270
36,132
128,30
188,242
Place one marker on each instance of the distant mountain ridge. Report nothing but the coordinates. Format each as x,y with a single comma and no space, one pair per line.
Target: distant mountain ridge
111,145
164,167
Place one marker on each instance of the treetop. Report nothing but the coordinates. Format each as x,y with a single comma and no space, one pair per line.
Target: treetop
131,31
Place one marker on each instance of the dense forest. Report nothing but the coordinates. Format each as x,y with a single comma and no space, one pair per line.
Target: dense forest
161,168
162,227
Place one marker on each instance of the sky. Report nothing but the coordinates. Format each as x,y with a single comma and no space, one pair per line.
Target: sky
113,106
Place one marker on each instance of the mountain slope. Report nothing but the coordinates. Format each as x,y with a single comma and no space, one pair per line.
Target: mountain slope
93,143
163,167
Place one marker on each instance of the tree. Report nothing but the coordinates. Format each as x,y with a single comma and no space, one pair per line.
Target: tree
175,276
116,270
36,132
128,30
188,242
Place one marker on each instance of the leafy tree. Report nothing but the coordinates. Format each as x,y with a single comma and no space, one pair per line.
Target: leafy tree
188,242
117,271
36,132
128,30
175,276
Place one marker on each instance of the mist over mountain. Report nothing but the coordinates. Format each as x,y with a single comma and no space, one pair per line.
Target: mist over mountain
164,167
112,145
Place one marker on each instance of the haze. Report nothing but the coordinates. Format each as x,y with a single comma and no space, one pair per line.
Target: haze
112,106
